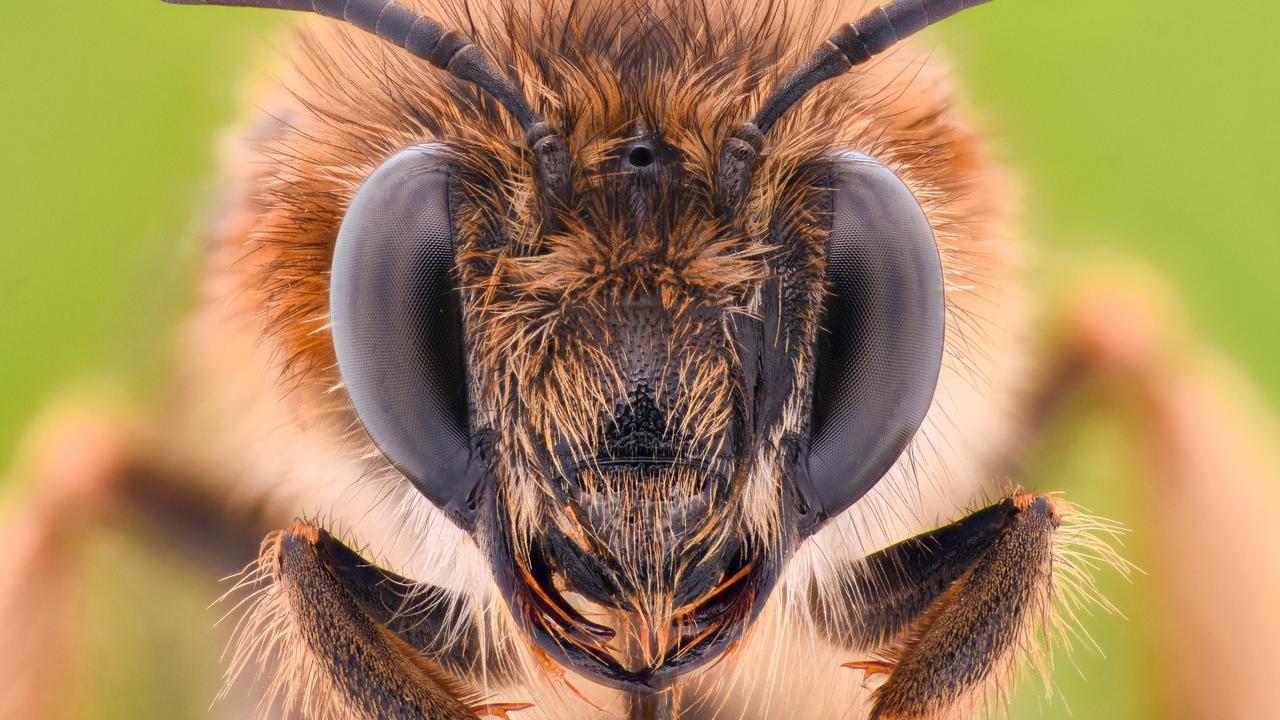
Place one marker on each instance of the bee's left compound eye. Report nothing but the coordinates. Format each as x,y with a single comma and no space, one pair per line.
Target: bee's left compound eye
880,347
397,324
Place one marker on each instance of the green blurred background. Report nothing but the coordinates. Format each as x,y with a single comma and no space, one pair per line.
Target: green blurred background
1144,127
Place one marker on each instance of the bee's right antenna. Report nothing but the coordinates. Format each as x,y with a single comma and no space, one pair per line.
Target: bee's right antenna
853,44
448,50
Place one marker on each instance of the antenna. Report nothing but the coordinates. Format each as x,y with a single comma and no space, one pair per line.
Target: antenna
853,44
447,49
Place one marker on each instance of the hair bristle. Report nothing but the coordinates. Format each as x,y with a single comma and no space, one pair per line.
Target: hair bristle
1083,546
1064,592
267,650
269,655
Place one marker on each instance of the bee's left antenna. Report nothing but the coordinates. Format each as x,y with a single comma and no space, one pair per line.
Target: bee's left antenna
854,44
450,50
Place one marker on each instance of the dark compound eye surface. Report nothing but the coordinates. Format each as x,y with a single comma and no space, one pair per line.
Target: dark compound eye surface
881,341
397,325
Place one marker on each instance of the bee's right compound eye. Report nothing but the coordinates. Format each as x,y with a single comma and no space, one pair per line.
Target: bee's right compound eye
397,324
880,345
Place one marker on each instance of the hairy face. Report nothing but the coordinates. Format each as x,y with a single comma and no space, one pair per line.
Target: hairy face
608,349
637,400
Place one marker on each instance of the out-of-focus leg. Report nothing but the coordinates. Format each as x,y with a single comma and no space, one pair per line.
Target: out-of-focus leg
70,470
1212,453
85,467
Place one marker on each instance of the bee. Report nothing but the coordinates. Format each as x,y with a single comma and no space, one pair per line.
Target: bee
636,342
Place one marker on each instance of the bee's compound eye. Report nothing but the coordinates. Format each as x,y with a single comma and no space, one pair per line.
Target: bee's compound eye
397,322
881,340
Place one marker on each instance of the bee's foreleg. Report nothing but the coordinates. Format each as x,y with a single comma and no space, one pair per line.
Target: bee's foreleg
344,625
425,617
946,611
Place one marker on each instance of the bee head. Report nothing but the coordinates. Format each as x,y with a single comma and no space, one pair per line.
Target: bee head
637,349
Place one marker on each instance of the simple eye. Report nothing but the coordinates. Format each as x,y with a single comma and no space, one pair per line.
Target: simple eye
397,323
880,345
